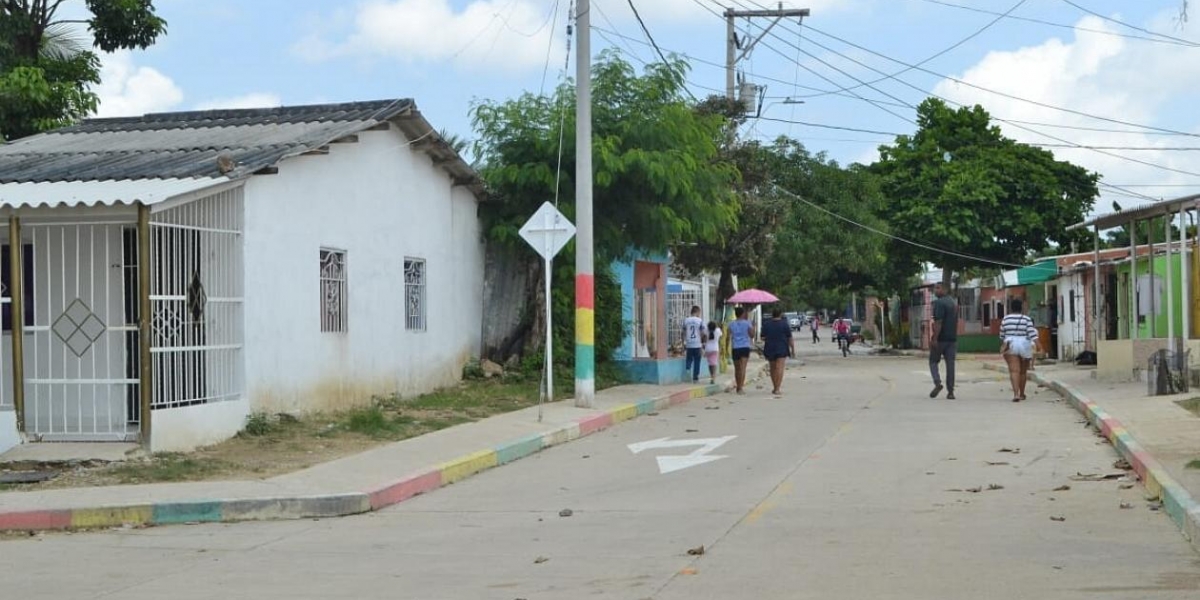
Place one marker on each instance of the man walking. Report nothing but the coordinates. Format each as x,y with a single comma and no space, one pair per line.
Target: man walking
943,341
693,340
814,323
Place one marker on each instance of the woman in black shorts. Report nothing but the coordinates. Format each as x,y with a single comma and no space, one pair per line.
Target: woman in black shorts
777,347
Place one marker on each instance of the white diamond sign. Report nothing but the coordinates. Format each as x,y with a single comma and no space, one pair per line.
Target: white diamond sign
547,231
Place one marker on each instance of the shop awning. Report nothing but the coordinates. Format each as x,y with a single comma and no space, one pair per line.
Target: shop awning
1037,273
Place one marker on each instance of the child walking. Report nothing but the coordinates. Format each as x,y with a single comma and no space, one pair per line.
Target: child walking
712,350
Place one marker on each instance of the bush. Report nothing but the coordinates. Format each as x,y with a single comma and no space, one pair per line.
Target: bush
258,424
473,369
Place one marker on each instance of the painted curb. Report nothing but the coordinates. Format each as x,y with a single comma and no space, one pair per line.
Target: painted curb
1179,505
342,504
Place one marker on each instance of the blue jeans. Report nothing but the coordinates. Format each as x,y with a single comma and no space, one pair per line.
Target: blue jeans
694,357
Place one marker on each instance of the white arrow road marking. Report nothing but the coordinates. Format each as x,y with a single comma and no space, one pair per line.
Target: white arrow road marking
699,456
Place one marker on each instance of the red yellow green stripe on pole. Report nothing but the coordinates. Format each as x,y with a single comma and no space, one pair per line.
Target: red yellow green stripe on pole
585,332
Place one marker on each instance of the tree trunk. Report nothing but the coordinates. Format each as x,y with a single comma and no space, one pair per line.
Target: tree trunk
536,339
947,279
724,288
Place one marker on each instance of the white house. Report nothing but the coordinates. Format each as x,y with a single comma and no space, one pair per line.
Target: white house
178,271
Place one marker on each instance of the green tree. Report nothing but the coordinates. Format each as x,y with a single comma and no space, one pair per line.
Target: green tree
656,183
46,66
958,184
824,250
743,248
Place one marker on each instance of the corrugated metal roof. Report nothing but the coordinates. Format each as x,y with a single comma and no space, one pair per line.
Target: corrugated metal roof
187,144
150,155
105,193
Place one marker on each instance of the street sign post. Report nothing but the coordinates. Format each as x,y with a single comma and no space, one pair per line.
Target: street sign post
547,231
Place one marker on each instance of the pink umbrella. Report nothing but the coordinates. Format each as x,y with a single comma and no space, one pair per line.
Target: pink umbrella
752,296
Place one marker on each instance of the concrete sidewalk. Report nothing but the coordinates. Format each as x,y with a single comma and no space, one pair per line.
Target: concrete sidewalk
1153,433
351,485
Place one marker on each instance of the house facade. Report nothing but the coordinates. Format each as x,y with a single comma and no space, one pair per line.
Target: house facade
178,271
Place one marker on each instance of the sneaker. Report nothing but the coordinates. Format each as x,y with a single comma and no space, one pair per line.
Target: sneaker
950,395
937,389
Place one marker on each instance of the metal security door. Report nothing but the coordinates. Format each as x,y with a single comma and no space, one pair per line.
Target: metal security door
77,359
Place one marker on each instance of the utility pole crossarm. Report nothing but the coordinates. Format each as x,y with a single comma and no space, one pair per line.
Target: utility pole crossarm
791,12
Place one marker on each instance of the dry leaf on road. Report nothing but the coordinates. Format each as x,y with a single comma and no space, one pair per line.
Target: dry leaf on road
697,551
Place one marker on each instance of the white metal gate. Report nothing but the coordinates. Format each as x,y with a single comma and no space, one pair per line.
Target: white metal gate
81,378
196,301
679,308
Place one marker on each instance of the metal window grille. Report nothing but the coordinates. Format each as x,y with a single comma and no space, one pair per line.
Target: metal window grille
196,301
414,294
334,318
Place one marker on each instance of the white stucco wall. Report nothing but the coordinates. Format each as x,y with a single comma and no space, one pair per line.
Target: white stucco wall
8,430
189,427
381,202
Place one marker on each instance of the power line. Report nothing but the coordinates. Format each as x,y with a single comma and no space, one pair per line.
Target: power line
972,85
645,30
1133,27
549,50
943,52
895,237
1004,94
1066,26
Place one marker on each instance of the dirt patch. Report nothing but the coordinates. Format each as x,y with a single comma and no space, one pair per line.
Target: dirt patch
272,445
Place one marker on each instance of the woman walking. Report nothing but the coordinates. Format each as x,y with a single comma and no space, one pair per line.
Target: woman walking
739,344
1018,342
712,350
777,347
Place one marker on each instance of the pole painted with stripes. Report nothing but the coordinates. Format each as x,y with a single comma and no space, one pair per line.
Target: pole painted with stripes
585,280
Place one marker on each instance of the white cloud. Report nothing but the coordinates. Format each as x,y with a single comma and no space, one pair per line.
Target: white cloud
486,34
660,13
509,35
1123,79
252,100
126,89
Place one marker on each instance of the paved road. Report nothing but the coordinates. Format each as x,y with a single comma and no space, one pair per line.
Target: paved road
842,489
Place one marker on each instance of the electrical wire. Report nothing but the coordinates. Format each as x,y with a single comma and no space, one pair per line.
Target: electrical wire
1133,27
549,50
562,109
645,30
1066,26
894,237
975,86
943,52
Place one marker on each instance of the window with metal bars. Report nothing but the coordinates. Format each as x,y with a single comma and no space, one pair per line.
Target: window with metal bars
414,294
334,317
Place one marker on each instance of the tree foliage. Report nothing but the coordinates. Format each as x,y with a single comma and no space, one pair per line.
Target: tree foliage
958,184
743,248
46,67
656,178
822,252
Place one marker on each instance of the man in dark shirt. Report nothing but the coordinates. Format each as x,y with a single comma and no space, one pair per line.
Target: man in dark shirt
943,341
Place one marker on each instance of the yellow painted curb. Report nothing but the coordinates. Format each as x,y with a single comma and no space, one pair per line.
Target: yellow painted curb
623,412
111,517
468,465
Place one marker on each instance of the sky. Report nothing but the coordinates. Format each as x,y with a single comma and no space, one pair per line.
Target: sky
1118,76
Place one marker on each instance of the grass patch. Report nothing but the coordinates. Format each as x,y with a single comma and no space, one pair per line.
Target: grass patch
1191,405
1193,464
258,424
167,466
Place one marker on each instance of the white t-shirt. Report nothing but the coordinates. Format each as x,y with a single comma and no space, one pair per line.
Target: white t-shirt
692,326
714,342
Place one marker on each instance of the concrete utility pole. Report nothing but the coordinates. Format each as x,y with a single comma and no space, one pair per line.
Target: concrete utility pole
732,58
585,279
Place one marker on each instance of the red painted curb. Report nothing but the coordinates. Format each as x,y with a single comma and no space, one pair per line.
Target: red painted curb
37,519
589,425
404,489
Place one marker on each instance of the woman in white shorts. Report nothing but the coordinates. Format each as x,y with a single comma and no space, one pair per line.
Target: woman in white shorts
1018,342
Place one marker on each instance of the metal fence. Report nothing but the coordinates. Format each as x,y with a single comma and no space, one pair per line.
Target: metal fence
1167,372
